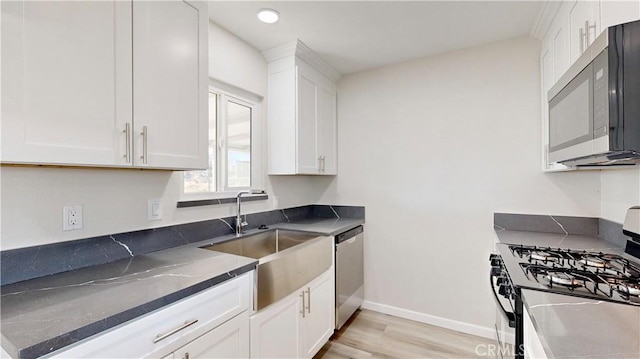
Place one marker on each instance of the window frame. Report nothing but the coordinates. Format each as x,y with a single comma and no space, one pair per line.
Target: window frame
226,93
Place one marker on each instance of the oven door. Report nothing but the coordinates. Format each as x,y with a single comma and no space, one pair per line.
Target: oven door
505,314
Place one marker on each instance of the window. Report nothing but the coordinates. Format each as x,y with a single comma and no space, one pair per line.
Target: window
231,159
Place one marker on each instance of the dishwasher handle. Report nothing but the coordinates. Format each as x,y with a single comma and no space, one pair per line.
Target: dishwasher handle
349,234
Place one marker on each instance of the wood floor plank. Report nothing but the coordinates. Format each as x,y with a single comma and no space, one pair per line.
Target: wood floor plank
369,334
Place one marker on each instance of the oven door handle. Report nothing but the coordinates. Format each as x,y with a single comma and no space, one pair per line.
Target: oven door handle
511,317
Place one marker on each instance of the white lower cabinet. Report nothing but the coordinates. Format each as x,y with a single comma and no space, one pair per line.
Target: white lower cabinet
211,324
230,340
298,325
532,345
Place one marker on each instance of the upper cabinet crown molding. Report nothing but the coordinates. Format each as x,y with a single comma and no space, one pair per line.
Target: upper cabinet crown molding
302,51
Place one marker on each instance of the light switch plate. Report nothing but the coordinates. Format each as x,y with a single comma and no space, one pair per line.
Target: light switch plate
154,210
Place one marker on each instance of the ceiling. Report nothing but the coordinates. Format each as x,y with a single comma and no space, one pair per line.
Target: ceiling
353,36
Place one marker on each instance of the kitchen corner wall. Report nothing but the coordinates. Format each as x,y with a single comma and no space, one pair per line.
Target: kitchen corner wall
432,148
620,189
115,200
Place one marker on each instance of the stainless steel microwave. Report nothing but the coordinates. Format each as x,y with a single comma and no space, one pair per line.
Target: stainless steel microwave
594,109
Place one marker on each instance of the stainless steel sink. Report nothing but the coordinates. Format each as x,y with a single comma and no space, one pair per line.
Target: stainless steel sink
287,260
260,245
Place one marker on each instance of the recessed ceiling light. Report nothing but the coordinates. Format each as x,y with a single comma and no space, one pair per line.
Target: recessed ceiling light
268,16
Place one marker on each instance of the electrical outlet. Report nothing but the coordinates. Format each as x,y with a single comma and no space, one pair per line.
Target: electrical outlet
71,217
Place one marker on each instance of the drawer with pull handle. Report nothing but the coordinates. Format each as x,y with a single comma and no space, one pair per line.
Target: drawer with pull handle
167,329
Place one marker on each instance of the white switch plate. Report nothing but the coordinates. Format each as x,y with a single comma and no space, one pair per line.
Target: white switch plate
154,210
72,217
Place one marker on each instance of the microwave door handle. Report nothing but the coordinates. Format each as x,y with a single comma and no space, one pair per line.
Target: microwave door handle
511,317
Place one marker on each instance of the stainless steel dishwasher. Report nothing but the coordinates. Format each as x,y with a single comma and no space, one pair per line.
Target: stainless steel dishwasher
349,273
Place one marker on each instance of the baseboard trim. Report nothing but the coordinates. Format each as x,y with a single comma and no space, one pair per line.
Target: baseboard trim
467,328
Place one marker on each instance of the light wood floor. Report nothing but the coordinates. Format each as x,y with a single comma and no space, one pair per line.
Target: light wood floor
375,335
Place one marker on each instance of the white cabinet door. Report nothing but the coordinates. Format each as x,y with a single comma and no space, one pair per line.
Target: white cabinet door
613,12
327,129
229,340
319,321
559,42
275,330
316,122
533,348
307,103
66,82
298,325
170,84
584,26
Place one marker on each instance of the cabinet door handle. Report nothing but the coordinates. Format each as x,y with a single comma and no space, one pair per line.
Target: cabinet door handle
582,40
302,295
127,141
321,163
587,29
186,324
186,355
309,299
145,136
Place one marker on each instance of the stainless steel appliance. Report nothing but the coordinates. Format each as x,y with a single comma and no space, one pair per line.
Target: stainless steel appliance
586,274
594,108
349,273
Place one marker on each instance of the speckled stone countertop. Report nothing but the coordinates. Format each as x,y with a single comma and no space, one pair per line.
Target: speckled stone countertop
45,314
573,327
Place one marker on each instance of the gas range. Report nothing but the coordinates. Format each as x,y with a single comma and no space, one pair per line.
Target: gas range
588,274
593,275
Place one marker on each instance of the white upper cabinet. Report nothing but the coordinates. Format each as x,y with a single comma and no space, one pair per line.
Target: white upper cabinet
617,12
170,76
302,127
83,79
66,82
584,26
558,43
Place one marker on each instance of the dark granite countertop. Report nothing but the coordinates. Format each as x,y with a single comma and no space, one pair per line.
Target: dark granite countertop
327,227
573,327
556,240
41,315
45,314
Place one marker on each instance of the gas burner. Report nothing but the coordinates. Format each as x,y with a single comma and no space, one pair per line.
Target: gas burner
564,279
544,256
595,262
589,274
630,289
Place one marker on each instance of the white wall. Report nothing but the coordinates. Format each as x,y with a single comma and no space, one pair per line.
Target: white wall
620,190
433,148
116,200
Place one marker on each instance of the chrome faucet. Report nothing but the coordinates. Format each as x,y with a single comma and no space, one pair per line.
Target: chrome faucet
239,221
